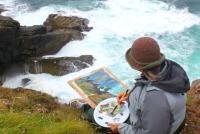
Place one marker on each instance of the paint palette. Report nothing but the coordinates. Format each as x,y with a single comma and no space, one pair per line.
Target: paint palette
108,108
103,116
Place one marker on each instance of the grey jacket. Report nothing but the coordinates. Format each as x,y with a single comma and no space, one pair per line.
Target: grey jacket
158,107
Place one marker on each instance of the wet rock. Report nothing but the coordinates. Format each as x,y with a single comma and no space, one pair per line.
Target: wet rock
76,35
25,81
19,43
9,33
55,22
43,44
60,66
32,30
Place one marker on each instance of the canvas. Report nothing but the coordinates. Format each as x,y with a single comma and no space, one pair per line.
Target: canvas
97,86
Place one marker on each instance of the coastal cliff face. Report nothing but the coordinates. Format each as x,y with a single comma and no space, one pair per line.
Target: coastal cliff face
20,44
192,125
9,34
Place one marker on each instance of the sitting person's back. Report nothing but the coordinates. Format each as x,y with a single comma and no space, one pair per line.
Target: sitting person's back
157,103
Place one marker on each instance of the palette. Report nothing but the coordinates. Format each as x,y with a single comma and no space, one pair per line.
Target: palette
103,116
108,108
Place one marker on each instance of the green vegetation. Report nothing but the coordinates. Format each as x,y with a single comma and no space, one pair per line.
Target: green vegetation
24,111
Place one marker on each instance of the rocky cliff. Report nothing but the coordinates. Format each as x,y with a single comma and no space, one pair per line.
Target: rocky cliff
21,43
192,125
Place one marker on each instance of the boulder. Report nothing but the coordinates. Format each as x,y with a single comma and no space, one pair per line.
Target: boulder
43,44
59,66
49,38
55,22
9,33
25,81
32,30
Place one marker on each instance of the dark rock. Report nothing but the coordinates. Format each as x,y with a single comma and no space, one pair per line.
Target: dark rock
18,44
39,45
25,81
32,30
55,22
76,35
9,33
60,66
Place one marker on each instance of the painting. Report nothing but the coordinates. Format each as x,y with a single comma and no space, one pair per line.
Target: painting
97,86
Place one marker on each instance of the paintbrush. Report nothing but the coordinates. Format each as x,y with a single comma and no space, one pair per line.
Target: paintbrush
117,104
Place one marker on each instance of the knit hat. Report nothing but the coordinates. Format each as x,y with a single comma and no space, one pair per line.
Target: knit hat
144,54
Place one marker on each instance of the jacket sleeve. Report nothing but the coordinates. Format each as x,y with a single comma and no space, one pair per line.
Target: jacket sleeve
155,118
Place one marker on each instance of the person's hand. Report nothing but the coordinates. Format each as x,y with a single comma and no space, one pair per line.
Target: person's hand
121,98
114,127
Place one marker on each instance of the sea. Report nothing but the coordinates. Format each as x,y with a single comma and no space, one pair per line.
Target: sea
116,24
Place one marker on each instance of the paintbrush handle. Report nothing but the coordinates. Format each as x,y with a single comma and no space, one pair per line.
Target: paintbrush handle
124,95
117,104
114,109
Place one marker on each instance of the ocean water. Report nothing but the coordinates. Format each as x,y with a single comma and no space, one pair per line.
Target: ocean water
116,24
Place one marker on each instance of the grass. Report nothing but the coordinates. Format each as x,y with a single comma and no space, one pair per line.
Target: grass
40,123
24,111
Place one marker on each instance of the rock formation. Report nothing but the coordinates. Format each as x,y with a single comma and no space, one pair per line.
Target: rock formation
9,34
59,66
21,43
55,22
192,124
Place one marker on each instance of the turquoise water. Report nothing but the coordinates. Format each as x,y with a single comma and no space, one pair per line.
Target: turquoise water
84,5
116,24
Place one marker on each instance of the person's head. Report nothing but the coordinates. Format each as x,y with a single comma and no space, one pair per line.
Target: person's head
145,56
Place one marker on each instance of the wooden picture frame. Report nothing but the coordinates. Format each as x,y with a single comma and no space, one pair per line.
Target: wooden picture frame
97,85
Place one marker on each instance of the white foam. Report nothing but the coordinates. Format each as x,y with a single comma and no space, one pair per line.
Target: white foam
14,8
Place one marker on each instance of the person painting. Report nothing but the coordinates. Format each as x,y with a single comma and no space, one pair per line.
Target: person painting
157,103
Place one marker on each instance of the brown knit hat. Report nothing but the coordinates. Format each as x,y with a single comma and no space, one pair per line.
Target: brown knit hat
144,54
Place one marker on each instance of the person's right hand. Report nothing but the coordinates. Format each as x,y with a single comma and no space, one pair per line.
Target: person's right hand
121,98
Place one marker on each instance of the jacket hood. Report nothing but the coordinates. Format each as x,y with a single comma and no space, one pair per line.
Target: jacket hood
173,78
